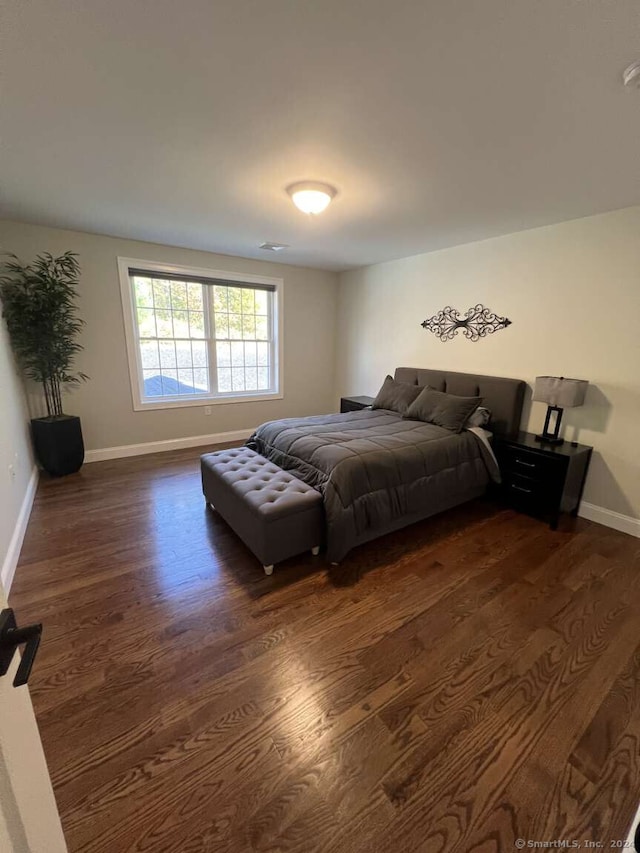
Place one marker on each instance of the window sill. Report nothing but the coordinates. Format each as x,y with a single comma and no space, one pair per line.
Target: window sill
143,406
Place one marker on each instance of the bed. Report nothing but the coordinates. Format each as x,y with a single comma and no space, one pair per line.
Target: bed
378,472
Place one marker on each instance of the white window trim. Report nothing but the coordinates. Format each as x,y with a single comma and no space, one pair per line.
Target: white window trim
131,334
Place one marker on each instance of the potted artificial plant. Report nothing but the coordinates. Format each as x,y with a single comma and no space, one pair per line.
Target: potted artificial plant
38,304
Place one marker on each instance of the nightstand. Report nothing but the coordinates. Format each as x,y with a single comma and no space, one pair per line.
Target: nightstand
354,404
541,479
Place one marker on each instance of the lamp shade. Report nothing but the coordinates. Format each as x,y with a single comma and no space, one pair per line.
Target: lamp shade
560,392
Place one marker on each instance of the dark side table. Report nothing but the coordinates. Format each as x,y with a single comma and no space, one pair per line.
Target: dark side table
541,479
354,404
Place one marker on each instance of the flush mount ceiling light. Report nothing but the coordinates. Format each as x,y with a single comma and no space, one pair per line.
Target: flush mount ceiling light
311,196
631,75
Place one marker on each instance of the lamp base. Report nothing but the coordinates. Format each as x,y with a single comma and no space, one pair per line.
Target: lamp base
549,439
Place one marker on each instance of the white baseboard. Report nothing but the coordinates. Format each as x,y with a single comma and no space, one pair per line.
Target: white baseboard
624,523
13,552
125,450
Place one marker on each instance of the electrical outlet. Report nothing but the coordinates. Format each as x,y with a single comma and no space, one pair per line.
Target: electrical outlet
12,472
207,410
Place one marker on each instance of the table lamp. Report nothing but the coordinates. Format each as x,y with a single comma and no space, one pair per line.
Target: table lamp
559,394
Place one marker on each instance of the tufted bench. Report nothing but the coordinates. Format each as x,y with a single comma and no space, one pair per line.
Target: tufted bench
274,513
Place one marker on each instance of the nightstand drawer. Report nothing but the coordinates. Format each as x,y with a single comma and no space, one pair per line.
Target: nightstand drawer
530,488
532,496
529,464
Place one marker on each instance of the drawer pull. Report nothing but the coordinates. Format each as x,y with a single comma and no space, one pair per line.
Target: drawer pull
526,464
521,489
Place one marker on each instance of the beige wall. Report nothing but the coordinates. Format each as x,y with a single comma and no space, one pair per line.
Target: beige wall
571,290
15,448
104,403
573,294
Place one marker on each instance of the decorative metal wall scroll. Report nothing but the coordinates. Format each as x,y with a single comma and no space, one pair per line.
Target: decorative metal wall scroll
477,322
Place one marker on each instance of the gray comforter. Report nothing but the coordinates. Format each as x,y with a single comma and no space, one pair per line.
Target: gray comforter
376,471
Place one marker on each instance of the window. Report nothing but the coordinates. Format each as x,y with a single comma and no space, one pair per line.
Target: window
196,336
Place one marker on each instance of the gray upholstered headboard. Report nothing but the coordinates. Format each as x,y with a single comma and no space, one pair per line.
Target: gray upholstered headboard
503,396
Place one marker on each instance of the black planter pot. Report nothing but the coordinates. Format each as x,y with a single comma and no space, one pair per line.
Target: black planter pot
58,444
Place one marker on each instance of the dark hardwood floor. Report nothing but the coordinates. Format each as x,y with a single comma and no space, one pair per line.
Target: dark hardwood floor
453,687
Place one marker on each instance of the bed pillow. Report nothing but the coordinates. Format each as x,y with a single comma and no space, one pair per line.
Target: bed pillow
479,418
396,396
444,410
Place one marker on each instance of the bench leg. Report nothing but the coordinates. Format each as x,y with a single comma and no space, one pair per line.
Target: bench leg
315,550
268,570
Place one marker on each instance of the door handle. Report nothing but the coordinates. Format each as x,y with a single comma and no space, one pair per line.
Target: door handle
10,638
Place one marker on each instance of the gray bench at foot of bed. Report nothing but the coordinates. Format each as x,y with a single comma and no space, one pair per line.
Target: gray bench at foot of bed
274,513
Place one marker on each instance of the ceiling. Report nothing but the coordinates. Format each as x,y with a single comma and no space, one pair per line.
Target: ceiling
439,121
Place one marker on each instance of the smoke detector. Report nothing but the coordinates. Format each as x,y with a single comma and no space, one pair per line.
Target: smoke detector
631,75
273,247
